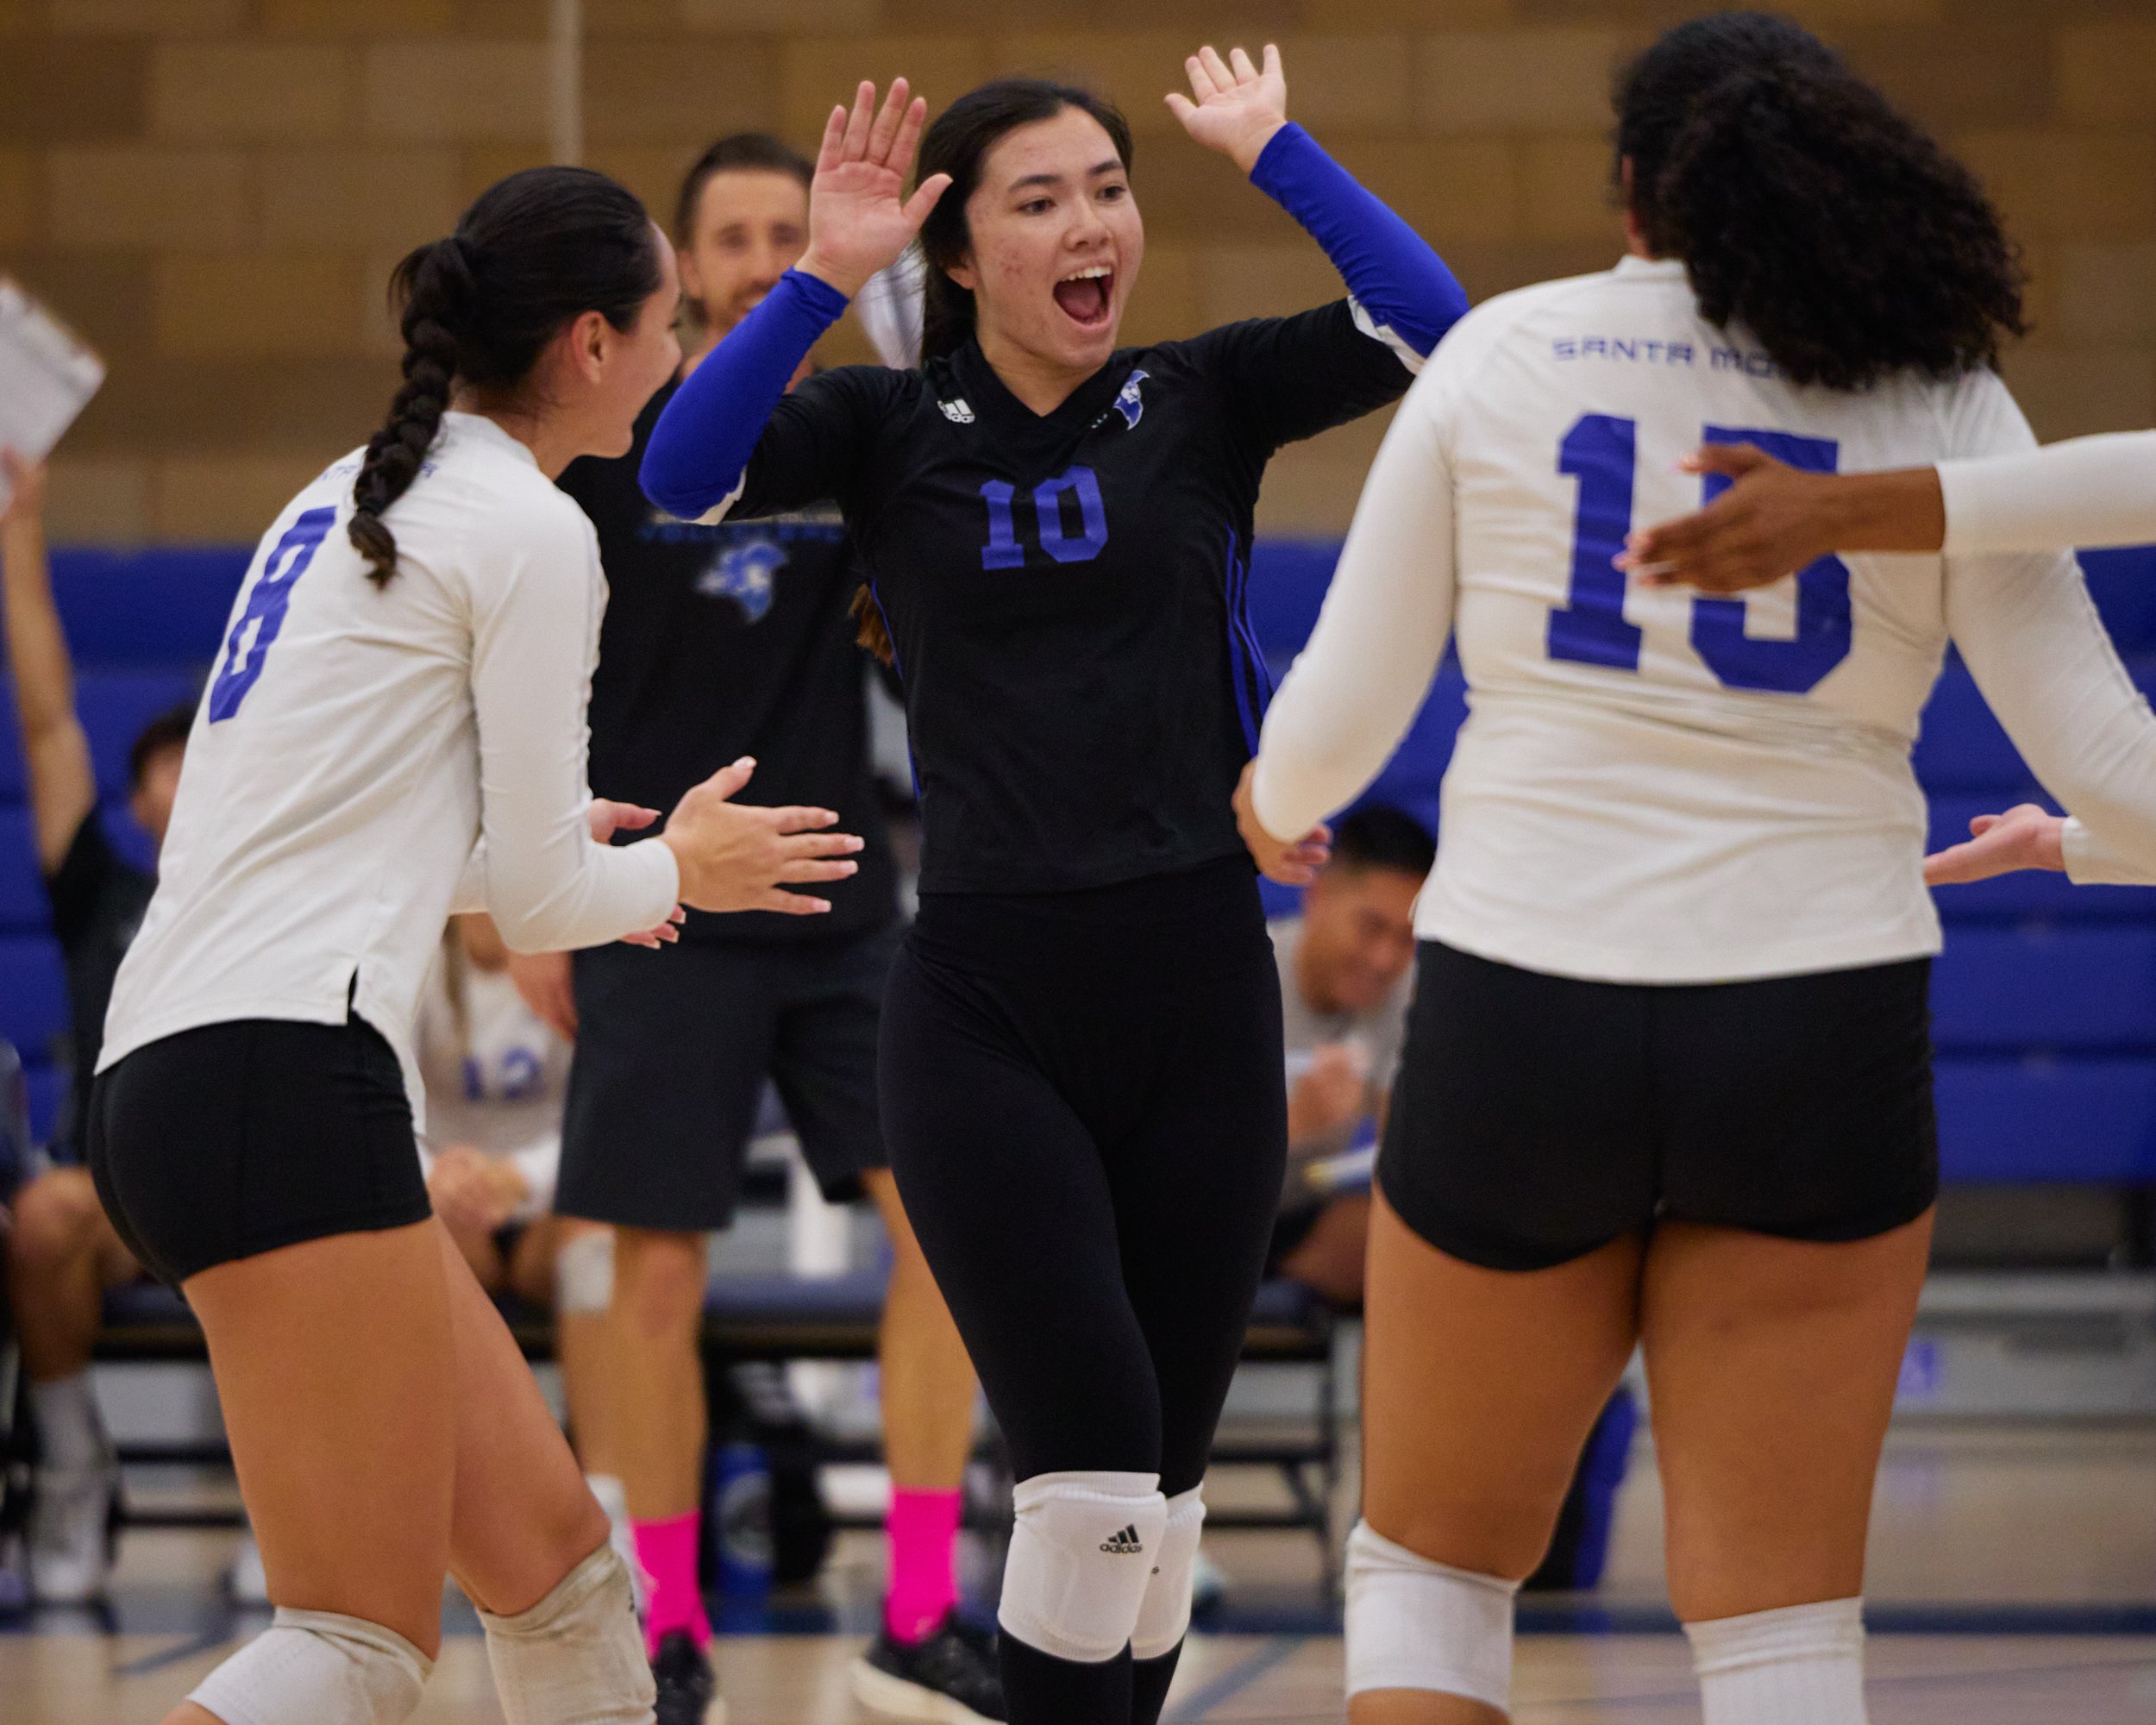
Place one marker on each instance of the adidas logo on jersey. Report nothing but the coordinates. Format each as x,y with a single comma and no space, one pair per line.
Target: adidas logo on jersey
957,411
1125,1543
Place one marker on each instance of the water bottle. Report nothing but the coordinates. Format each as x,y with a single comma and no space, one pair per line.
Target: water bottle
741,1518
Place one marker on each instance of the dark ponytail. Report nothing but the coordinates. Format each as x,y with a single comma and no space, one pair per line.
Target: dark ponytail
1811,212
957,144
534,253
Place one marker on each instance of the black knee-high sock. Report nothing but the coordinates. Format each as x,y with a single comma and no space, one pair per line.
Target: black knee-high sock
1040,1689
1148,1686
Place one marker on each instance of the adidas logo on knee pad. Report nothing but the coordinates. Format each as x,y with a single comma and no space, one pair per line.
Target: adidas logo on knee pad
1125,1543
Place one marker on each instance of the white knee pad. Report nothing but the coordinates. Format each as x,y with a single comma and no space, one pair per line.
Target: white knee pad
1081,1555
1798,1665
1415,1624
1163,1616
583,1271
577,1655
320,1666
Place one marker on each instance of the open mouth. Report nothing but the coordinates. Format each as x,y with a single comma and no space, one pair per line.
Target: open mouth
1085,295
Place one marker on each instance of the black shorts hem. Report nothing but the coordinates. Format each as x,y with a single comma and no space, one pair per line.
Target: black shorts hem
299,1233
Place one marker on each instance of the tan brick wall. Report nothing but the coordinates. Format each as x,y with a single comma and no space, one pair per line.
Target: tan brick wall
214,190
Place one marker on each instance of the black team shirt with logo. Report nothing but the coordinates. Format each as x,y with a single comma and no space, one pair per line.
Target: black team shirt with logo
732,640
1067,591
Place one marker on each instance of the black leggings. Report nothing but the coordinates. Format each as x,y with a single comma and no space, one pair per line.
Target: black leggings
1084,1100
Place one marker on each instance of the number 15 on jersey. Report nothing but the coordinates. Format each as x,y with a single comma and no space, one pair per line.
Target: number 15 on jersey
1601,452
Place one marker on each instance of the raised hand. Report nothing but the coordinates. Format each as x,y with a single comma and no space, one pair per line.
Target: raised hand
738,858
2025,836
860,219
1233,107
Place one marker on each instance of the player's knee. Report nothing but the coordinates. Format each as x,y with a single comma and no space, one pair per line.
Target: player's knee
1413,1623
56,1220
659,1280
1081,1553
577,1653
320,1666
1163,1615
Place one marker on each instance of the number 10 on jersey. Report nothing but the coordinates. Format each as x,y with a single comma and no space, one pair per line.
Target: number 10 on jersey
1601,452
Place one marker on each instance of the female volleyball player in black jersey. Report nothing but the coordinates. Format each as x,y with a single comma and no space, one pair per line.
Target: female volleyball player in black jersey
1080,1051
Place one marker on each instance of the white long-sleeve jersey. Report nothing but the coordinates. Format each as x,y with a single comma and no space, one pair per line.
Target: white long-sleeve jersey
1652,786
356,743
2086,491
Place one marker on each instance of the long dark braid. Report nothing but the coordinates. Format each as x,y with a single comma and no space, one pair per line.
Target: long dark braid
439,293
534,253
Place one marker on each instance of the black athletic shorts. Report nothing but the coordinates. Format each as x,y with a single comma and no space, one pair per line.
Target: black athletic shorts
236,1138
1535,1116
673,1048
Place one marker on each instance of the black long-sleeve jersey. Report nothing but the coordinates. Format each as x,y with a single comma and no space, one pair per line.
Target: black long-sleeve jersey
1065,591
726,641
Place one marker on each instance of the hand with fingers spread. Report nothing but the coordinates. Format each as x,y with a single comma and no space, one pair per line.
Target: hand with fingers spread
859,218
2025,836
1293,863
736,857
1774,519
1233,106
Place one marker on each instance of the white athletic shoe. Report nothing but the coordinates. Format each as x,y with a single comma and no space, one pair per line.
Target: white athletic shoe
246,1580
71,1533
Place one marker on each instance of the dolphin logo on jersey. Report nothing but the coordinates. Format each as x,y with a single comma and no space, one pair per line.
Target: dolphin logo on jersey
744,574
1130,403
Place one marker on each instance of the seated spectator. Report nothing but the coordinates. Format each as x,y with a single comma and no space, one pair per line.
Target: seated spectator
496,1074
62,1253
1346,965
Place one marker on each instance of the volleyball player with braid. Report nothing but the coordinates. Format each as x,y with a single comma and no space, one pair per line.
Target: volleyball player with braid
1080,1064
395,730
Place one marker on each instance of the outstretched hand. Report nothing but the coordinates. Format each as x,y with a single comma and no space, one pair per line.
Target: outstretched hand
859,218
1293,863
2025,836
1233,107
734,858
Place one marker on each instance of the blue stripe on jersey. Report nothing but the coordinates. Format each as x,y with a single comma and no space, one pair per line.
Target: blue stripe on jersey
1246,663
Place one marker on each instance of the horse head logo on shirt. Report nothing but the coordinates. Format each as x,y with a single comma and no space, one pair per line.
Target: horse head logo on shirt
1130,403
743,574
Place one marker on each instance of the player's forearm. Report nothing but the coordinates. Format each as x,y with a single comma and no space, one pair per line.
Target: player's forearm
1895,511
701,448
1394,275
37,647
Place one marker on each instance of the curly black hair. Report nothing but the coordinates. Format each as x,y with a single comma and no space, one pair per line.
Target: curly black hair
1807,209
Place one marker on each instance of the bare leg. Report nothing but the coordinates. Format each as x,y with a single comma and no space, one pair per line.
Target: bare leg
656,1374
62,1256
1479,1389
581,1346
927,1378
335,1362
521,1516
1330,1260
1772,1366
477,1247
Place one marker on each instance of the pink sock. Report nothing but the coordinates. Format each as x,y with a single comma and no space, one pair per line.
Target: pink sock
923,1532
667,1551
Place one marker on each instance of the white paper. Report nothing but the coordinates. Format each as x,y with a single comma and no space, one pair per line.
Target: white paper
47,377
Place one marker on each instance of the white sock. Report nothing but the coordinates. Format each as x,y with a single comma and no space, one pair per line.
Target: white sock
1802,1665
70,1433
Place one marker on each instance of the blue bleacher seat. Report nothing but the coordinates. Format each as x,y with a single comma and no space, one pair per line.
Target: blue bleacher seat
46,1082
160,607
22,904
2123,584
2032,987
33,995
2021,1122
114,707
